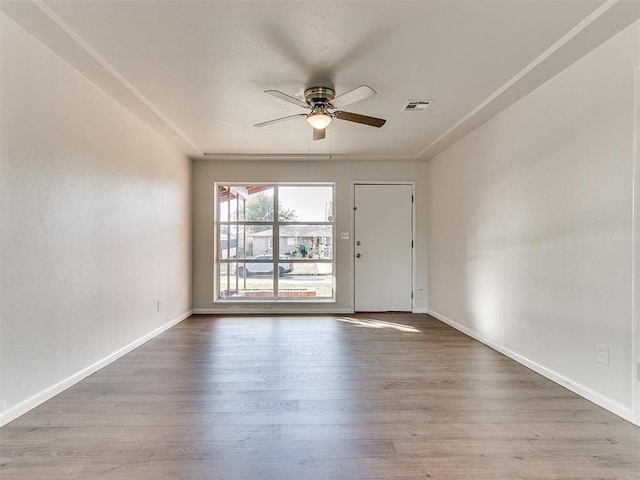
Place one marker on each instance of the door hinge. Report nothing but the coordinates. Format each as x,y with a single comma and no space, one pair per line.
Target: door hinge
411,198
411,243
411,295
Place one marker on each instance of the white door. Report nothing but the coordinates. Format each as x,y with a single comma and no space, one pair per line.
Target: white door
383,247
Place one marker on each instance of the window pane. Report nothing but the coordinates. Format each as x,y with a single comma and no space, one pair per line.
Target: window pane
259,241
257,287
252,203
236,241
225,283
305,204
307,281
259,205
228,244
232,202
307,241
245,280
247,270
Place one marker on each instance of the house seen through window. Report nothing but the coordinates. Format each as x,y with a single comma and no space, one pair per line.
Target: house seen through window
274,242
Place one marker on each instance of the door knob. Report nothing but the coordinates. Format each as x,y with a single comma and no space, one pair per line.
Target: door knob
358,243
358,255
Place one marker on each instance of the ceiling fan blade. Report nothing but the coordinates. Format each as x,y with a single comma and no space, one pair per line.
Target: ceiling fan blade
357,118
287,98
352,96
277,120
319,133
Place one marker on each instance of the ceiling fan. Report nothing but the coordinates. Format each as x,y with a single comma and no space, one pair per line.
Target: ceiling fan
325,106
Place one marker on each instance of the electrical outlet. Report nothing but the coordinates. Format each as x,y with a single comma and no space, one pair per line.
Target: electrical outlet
602,354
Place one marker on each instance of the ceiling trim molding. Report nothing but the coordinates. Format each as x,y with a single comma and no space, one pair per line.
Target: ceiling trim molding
306,157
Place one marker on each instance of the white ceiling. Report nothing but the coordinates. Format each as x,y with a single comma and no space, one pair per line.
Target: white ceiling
196,71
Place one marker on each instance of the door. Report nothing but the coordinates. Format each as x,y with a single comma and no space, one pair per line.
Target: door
383,234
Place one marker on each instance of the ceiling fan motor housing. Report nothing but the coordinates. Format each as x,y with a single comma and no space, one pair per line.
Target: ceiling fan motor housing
319,96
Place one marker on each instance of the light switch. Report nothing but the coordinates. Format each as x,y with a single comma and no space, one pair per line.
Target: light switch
344,235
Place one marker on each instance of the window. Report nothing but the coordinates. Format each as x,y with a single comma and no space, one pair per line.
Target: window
274,242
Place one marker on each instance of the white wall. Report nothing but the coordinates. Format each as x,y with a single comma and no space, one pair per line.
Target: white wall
206,172
530,226
95,226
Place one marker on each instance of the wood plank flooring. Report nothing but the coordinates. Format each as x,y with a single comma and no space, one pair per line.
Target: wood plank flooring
386,397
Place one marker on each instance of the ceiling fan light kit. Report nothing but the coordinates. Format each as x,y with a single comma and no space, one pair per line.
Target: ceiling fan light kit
319,119
324,106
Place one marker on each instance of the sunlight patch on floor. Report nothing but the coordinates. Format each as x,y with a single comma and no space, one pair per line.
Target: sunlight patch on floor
373,323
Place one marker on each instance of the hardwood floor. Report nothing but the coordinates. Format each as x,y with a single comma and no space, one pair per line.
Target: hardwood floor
400,397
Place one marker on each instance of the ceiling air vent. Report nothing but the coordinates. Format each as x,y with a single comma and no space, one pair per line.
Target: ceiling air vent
416,105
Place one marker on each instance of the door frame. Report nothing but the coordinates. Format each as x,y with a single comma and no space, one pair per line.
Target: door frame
352,228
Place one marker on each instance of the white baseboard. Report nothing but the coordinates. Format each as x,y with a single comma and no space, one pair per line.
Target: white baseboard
269,310
50,392
582,390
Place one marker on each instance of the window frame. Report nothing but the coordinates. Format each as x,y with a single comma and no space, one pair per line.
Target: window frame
275,224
